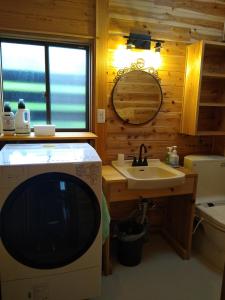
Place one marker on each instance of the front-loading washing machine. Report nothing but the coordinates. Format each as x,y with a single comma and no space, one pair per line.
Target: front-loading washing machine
50,221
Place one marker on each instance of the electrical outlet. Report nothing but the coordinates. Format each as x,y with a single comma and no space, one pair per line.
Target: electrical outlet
100,115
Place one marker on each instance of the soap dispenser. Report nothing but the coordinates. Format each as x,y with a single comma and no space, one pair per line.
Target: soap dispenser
174,158
120,158
168,154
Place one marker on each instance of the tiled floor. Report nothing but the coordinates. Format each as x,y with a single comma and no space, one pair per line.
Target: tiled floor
162,275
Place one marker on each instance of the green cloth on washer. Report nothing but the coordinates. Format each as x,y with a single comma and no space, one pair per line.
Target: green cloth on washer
105,219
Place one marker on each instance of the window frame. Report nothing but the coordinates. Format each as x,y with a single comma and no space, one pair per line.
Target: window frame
47,44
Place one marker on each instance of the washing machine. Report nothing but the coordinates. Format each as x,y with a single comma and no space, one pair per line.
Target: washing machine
50,221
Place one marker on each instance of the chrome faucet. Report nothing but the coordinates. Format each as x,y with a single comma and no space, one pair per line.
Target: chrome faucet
142,161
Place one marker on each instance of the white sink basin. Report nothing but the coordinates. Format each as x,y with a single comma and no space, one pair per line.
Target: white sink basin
154,176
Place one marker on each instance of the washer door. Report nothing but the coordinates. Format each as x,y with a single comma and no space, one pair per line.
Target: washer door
50,220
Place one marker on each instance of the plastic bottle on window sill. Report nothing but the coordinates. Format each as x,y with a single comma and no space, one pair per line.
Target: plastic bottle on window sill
8,120
22,119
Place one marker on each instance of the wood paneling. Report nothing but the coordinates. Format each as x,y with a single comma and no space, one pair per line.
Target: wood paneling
173,21
66,20
179,23
169,19
100,77
164,130
72,17
57,20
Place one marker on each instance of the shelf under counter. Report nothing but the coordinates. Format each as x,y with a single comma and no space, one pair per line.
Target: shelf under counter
178,201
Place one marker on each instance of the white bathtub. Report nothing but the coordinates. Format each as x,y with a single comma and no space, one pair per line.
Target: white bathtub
209,238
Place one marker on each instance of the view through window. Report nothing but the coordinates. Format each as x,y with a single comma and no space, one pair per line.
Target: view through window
52,79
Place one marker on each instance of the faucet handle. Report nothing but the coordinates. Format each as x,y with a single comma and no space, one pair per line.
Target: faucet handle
140,161
135,161
145,161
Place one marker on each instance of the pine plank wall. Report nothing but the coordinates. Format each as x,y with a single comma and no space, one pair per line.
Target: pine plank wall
104,23
178,23
55,17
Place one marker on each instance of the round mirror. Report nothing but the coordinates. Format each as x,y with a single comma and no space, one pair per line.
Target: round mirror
137,97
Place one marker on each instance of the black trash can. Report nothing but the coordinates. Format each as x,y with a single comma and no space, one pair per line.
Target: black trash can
131,238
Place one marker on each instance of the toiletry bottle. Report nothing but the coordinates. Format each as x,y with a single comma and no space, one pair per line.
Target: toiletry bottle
167,158
174,158
22,119
120,158
8,120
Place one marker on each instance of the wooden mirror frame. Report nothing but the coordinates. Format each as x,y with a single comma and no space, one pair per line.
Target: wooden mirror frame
151,116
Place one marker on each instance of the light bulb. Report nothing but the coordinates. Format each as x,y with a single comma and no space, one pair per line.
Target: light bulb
122,57
157,60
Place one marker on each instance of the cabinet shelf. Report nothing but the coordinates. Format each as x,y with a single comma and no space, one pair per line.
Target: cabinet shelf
212,132
204,92
212,104
213,75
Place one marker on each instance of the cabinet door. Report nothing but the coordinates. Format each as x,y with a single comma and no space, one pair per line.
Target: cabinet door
50,220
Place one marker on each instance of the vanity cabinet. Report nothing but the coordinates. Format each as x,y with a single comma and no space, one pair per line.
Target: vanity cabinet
204,92
178,208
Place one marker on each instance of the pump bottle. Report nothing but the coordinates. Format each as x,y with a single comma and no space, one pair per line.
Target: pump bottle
168,154
22,119
8,120
174,158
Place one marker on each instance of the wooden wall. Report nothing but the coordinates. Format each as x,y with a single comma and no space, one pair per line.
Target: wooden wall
172,20
179,23
56,17
66,20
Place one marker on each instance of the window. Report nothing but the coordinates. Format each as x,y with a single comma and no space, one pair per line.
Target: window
53,80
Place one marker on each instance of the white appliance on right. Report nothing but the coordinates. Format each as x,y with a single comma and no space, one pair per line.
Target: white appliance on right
209,238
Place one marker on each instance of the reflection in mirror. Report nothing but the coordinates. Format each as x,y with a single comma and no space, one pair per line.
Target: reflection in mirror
137,97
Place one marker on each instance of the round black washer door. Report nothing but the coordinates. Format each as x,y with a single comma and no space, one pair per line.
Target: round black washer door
50,220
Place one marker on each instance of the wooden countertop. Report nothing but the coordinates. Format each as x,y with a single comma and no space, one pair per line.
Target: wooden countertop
57,136
110,174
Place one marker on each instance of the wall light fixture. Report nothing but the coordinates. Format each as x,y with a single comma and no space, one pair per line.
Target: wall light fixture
137,54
